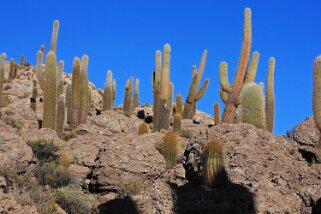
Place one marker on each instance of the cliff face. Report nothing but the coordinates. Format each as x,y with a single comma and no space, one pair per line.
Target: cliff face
266,173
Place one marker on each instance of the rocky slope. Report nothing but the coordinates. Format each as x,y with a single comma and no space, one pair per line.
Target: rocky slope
265,173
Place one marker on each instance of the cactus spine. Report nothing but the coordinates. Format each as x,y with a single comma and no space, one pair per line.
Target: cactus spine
128,96
50,92
216,113
60,115
156,88
136,94
252,105
317,92
214,173
233,97
40,73
108,92
34,89
60,86
194,95
75,93
54,36
2,65
269,108
84,89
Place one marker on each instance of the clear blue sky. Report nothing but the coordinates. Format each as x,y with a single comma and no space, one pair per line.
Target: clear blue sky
124,35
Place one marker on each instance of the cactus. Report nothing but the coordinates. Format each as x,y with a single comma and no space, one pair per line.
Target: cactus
143,129
60,115
75,93
317,92
42,48
213,173
233,98
84,90
179,104
177,123
2,66
216,113
269,102
156,88
22,60
54,36
108,92
251,72
50,92
194,95
165,109
128,95
170,148
11,69
34,89
252,105
15,70
40,73
136,94
60,86
68,103
114,93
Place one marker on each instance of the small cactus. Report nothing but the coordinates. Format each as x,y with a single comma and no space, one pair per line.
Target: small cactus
75,93
269,102
216,113
114,93
11,69
128,96
136,94
156,88
170,148
177,123
179,104
252,105
84,90
213,173
34,89
54,36
22,60
60,116
42,48
2,66
143,128
50,93
108,92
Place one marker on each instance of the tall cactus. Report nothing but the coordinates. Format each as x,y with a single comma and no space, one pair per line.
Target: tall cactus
128,96
60,115
68,103
84,89
2,65
194,94
179,104
252,105
75,93
136,94
233,98
34,89
54,36
269,103
50,92
216,113
60,86
156,88
317,92
108,92
166,111
40,73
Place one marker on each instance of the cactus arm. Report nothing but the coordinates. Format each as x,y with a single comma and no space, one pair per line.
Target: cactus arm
223,95
190,98
251,72
60,77
40,73
202,90
54,36
201,67
223,71
165,74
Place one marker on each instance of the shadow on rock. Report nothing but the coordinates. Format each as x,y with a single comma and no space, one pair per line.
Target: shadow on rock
119,206
316,209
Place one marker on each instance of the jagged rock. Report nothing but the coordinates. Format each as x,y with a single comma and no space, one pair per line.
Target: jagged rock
9,205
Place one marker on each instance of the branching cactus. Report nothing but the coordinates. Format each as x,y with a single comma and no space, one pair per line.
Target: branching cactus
60,115
34,89
128,96
136,94
216,113
214,173
50,92
68,103
84,89
60,86
269,103
40,73
75,93
54,36
108,99
232,98
252,109
194,94
317,92
156,88
2,66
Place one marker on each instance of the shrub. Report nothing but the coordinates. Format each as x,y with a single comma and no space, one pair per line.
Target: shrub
170,148
143,129
214,172
44,149
130,189
49,173
67,135
73,200
64,160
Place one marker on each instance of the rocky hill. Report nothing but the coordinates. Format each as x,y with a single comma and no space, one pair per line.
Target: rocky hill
123,172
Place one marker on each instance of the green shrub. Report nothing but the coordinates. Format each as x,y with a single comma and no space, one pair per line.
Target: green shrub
130,189
73,200
44,149
49,173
